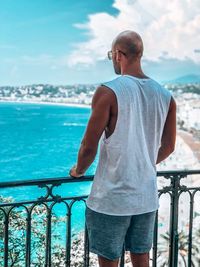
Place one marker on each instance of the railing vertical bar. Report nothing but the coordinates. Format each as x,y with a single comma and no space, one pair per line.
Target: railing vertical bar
170,232
190,230
86,248
6,221
68,242
122,259
155,240
48,240
28,240
173,244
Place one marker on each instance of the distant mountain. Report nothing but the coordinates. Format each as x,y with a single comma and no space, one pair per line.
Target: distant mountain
191,78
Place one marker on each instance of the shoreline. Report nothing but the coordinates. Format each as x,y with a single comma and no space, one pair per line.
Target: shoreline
191,142
47,103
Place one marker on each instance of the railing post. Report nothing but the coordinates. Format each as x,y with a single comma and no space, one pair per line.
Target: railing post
173,242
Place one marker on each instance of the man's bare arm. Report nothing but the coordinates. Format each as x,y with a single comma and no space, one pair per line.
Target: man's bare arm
101,105
169,134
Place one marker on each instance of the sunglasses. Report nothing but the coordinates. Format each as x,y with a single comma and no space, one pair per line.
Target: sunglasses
110,53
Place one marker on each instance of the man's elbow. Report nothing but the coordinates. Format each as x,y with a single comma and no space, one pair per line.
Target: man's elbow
170,148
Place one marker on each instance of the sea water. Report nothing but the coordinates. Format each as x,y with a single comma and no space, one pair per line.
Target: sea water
42,141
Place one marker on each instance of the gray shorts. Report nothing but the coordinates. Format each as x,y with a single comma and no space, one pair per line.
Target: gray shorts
108,234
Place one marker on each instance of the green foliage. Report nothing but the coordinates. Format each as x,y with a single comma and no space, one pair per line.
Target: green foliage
163,248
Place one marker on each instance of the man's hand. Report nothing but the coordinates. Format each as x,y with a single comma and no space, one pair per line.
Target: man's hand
73,173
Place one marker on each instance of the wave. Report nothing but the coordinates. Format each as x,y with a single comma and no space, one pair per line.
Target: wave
73,124
17,158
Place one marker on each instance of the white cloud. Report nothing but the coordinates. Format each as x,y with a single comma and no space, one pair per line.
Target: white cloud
169,29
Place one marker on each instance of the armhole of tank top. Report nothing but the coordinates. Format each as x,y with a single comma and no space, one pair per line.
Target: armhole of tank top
169,102
108,140
168,107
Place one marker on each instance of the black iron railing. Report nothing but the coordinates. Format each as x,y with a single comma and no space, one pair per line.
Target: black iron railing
10,256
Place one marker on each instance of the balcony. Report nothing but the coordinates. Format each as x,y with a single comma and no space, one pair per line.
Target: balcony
34,233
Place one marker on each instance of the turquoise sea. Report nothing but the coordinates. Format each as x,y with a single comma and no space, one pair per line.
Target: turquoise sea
42,141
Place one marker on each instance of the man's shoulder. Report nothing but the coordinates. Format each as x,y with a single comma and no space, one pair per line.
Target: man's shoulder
104,92
113,81
108,87
161,87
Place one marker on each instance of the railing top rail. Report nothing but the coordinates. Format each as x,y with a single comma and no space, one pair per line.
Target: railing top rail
68,179
178,172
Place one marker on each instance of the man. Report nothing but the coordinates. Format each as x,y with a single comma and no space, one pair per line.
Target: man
134,117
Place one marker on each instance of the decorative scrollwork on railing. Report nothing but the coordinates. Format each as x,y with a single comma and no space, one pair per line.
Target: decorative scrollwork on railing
49,192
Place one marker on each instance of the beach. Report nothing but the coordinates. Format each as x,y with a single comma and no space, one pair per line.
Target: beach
192,142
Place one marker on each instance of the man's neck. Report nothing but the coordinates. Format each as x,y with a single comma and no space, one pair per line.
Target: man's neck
135,74
133,70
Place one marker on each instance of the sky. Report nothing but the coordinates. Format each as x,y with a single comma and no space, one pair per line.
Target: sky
66,42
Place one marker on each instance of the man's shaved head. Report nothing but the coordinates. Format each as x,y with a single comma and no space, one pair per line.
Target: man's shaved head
130,43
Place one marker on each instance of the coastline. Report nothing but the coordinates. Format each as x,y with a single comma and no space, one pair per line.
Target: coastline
47,103
191,142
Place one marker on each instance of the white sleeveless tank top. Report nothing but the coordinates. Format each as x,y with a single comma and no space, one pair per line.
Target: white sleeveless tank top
125,181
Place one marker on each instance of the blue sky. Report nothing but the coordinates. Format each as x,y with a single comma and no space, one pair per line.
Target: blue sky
65,42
